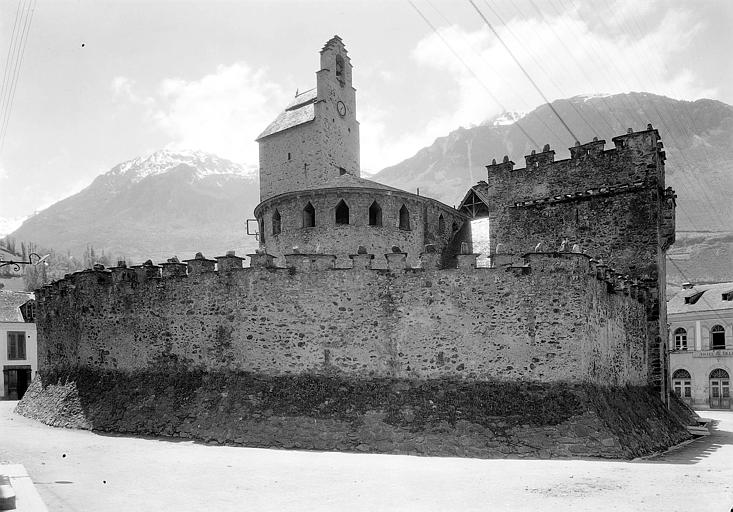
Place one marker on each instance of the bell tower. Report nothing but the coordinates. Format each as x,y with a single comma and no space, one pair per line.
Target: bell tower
316,138
336,110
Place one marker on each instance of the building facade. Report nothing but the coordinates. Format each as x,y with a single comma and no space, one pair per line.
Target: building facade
18,355
701,344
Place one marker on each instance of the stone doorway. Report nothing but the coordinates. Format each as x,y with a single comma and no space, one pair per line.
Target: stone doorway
16,380
719,389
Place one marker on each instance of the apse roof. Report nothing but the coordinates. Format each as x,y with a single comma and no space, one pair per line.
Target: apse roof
349,180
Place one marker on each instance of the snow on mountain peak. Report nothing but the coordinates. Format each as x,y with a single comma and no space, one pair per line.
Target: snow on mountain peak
164,160
505,118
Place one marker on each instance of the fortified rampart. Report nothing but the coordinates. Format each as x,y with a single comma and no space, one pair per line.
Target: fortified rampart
612,203
557,318
542,359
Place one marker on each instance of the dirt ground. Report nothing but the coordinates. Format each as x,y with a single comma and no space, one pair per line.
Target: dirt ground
84,471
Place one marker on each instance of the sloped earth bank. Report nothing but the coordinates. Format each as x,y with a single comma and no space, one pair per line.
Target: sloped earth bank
316,412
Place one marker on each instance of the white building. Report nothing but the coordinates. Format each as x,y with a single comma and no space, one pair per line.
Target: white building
701,344
18,348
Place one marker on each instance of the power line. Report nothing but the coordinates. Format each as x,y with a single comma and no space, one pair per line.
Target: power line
537,63
619,76
577,64
475,76
18,64
544,123
8,61
523,70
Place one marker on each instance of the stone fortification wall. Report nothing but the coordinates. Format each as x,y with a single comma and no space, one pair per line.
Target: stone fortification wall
613,203
557,318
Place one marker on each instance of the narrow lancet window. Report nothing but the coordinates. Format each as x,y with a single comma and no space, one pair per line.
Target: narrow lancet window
342,213
375,214
276,223
441,225
404,218
309,216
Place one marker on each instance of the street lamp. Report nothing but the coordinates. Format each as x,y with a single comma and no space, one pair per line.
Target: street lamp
17,264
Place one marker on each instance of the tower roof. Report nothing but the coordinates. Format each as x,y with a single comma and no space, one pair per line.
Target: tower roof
299,111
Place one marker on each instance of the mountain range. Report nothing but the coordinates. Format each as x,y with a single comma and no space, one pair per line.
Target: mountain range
164,204
182,202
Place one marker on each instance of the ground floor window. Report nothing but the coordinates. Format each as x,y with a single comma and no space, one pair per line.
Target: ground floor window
682,383
719,389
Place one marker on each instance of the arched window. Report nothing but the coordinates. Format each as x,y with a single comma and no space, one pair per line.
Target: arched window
682,383
404,218
375,214
441,225
680,339
719,385
717,337
262,230
342,213
719,373
340,69
454,227
276,223
309,216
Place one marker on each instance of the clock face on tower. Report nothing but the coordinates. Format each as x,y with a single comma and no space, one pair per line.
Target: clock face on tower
341,108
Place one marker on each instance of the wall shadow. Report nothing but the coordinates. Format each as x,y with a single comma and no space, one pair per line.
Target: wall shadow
697,450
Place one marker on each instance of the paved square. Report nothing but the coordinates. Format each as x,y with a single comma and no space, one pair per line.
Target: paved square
81,471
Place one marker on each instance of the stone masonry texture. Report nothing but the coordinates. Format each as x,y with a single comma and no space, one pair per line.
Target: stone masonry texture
612,203
553,320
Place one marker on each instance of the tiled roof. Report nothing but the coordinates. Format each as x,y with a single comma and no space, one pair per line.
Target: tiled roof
349,180
10,303
710,299
299,111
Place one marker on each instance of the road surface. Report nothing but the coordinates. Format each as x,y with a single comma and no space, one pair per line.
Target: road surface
77,470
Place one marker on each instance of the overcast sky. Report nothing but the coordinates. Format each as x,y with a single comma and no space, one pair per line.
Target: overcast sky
102,82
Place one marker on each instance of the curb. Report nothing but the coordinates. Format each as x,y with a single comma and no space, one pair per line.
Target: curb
7,494
25,495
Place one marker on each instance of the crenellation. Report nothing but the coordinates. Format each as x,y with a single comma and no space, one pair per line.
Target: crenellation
466,262
505,166
229,262
361,261
121,274
172,269
536,160
396,261
261,259
199,264
147,271
431,259
592,149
